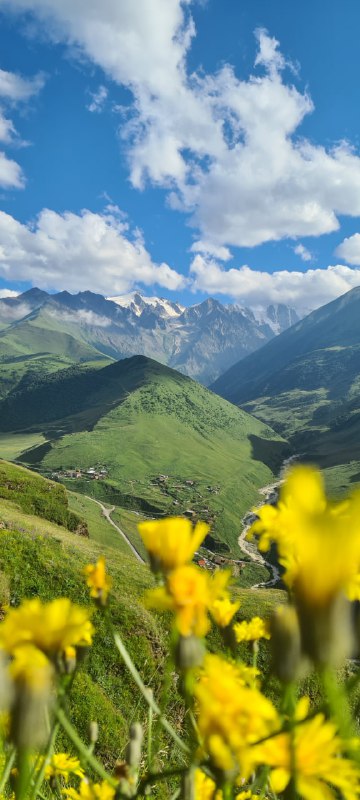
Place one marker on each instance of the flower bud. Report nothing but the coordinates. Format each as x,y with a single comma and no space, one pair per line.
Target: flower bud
285,643
93,732
189,652
133,750
326,631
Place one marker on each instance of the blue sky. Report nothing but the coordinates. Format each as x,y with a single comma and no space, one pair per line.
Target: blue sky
187,149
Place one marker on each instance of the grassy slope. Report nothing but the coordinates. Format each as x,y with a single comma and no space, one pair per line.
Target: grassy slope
38,557
145,420
37,346
305,384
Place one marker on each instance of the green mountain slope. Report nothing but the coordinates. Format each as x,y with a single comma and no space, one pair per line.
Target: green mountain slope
144,421
306,382
37,345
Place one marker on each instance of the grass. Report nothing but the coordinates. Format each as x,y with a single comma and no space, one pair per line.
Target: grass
33,495
146,420
41,558
13,445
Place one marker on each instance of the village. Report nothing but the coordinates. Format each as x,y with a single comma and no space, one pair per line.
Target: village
91,474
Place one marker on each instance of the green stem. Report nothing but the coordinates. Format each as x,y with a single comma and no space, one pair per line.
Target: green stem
338,703
156,777
7,769
289,706
149,736
145,692
46,759
84,752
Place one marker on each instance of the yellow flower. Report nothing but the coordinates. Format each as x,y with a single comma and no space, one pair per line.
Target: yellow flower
172,542
231,716
62,765
30,667
314,759
187,594
98,581
222,608
248,795
223,611
205,787
52,627
255,628
91,791
318,541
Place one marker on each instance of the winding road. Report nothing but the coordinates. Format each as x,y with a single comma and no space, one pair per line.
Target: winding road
107,514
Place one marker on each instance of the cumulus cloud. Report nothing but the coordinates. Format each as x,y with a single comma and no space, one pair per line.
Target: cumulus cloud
8,293
11,174
349,249
78,251
13,89
227,147
303,291
303,252
98,100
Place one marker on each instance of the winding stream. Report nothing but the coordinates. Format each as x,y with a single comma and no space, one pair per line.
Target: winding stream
269,494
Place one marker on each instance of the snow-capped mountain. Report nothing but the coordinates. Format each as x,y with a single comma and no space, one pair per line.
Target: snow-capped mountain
137,303
202,340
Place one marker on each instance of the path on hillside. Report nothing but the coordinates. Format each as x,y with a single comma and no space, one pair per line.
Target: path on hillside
107,514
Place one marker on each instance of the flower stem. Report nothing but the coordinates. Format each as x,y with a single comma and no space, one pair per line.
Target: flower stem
7,769
46,759
145,692
85,755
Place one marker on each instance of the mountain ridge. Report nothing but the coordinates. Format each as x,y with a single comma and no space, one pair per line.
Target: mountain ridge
199,340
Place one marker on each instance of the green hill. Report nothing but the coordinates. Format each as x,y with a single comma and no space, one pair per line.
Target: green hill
38,345
306,383
168,444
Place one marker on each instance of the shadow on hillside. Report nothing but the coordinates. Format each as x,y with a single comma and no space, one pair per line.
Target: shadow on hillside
269,451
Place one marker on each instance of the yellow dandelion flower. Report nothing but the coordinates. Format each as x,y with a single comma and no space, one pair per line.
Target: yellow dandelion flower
98,580
172,542
248,795
186,594
205,787
30,667
252,630
318,541
91,791
61,765
222,608
314,759
231,716
51,627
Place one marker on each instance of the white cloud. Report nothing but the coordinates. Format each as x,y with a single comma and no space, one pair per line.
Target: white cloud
78,251
81,316
303,252
98,100
349,249
8,293
13,89
228,148
301,290
13,313
11,174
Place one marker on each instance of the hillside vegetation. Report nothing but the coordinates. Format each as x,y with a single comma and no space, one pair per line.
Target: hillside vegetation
305,383
41,558
168,444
